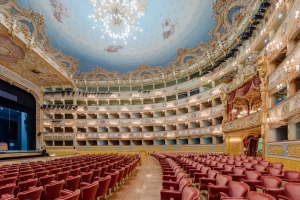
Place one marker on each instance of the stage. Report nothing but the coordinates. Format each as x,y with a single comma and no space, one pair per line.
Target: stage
12,154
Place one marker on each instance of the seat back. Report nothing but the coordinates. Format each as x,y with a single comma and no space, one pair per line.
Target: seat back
239,170
7,197
8,180
183,183
213,163
62,175
180,175
32,193
212,173
42,173
199,166
277,165
291,174
270,182
259,196
252,175
204,170
86,176
53,189
264,163
7,189
73,196
96,172
25,185
230,162
238,189
114,179
228,167
26,177
274,171
75,172
291,190
89,191
260,168
72,182
189,193
103,185
46,179
222,180
254,162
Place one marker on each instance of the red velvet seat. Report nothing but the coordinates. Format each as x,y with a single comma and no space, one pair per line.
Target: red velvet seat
7,197
25,185
264,163
69,195
88,190
62,175
103,185
7,189
188,193
41,174
290,191
228,169
26,177
13,174
55,171
220,185
259,196
272,171
8,180
66,168
237,174
26,172
252,178
33,193
176,178
239,163
269,183
113,180
196,170
291,176
235,190
72,183
104,169
96,172
52,190
203,173
211,178
86,176
176,185
84,169
249,166
220,166
46,180
260,168
75,172
277,165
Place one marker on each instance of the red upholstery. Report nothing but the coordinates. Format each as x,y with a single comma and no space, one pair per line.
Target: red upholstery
88,190
8,180
52,190
203,173
238,173
96,172
46,180
69,195
41,174
113,180
264,163
72,183
275,172
259,196
75,172
62,175
7,189
176,185
84,169
103,185
269,183
291,175
277,165
86,177
236,189
188,193
193,171
248,166
221,185
260,168
7,197
252,178
55,171
228,169
25,185
32,193
211,178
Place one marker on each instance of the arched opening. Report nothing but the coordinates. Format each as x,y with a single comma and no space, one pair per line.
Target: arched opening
17,117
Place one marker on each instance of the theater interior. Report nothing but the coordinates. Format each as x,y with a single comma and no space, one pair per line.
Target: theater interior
149,99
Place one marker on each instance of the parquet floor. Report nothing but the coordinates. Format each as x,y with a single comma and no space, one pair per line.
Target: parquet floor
145,184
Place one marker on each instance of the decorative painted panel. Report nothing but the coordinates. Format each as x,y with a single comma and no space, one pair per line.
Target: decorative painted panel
276,150
249,121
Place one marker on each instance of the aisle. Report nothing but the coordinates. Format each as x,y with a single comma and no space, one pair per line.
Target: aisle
144,184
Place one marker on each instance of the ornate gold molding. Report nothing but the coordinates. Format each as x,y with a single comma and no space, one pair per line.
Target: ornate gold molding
293,150
276,150
250,121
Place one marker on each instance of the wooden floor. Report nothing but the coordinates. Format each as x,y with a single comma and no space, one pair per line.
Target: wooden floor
144,184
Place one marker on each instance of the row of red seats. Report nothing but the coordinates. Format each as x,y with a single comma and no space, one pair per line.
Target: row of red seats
215,181
81,177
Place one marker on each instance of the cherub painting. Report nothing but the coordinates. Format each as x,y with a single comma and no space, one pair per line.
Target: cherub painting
59,10
113,49
169,28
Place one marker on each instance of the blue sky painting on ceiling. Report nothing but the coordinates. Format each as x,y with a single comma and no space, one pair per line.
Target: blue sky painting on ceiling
167,25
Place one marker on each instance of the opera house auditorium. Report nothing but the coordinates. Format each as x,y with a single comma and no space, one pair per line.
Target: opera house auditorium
149,99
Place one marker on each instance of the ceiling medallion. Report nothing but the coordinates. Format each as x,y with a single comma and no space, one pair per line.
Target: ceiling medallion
118,18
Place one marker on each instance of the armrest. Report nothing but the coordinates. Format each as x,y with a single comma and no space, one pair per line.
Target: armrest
279,176
222,194
193,171
168,194
65,192
214,191
260,188
167,178
197,176
283,197
167,185
275,192
203,182
295,181
225,172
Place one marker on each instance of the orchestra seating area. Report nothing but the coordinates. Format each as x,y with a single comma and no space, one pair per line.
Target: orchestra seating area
223,176
83,177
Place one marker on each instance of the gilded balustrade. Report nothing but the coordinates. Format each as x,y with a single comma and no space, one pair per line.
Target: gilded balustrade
247,122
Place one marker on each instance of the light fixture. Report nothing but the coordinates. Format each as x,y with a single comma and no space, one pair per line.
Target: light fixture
118,18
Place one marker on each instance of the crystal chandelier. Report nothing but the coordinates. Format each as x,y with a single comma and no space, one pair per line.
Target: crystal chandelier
118,18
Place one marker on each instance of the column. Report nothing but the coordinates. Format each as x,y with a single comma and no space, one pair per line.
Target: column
292,132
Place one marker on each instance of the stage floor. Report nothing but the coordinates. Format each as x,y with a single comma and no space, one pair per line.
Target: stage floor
13,154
